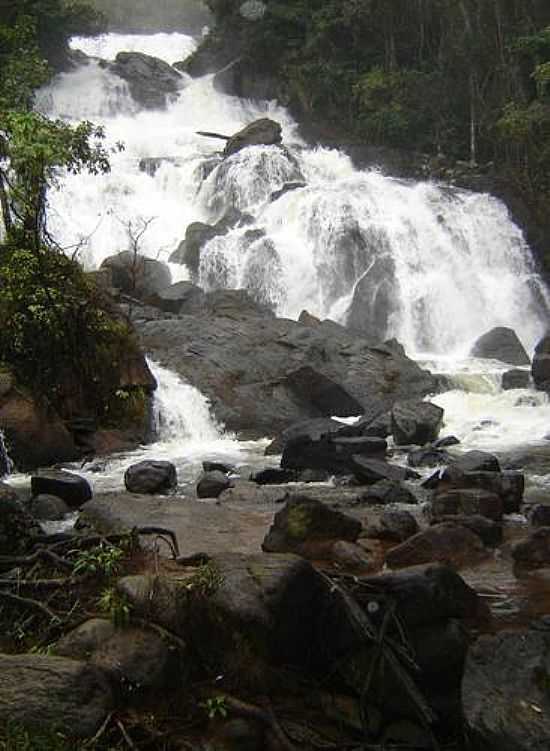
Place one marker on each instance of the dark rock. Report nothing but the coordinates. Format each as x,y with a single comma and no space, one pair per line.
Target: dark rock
240,734
509,485
348,555
534,552
416,422
374,299
446,442
235,304
226,469
429,457
313,475
468,502
151,81
426,594
136,275
261,132
330,452
17,527
395,525
303,520
151,477
48,508
182,297
539,516
212,484
475,461
274,476
188,252
515,379
326,396
385,492
540,368
287,188
84,640
371,471
45,692
505,689
443,542
502,344
491,533
71,488
240,360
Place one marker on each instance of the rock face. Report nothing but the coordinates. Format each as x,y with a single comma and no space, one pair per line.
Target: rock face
329,452
151,477
416,422
534,552
151,81
502,344
515,379
540,369
240,357
304,520
188,251
261,132
505,689
374,299
136,275
182,297
468,502
71,488
17,527
53,692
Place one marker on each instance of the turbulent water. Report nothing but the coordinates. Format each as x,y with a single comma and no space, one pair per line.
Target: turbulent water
432,265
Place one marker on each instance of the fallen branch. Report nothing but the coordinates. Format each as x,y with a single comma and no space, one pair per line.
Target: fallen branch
206,134
29,560
125,735
26,602
267,717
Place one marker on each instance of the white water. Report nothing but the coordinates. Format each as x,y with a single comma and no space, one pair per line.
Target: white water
453,263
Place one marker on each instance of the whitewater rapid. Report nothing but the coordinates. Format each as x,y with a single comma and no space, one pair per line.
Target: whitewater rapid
438,265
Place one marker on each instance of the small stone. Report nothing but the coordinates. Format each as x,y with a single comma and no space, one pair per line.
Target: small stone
212,484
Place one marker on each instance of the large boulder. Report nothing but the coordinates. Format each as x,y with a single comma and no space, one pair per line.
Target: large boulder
36,436
416,422
446,542
240,360
371,470
151,476
505,690
182,297
305,520
540,369
212,484
515,379
375,298
330,452
468,502
137,275
396,525
502,344
70,487
17,527
490,533
323,393
261,132
509,485
534,552
151,81
188,252
53,692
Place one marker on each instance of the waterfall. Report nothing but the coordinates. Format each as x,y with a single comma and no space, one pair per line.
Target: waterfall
180,411
431,265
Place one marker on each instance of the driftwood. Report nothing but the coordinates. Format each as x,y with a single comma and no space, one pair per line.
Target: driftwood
206,134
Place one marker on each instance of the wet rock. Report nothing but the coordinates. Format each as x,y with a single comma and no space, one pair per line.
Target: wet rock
395,525
442,542
188,252
151,477
371,471
287,187
71,488
374,299
539,515
84,640
330,452
540,368
416,422
225,469
260,132
182,297
490,533
534,552
17,526
502,344
54,692
48,508
509,485
160,599
274,476
136,275
475,461
430,457
515,379
446,442
212,484
385,492
303,520
327,396
505,690
468,502
348,555
151,80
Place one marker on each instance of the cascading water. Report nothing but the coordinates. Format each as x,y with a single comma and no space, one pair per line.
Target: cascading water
431,265
6,464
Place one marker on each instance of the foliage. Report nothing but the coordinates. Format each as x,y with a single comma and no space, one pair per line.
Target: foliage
116,606
216,706
205,581
103,560
17,738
